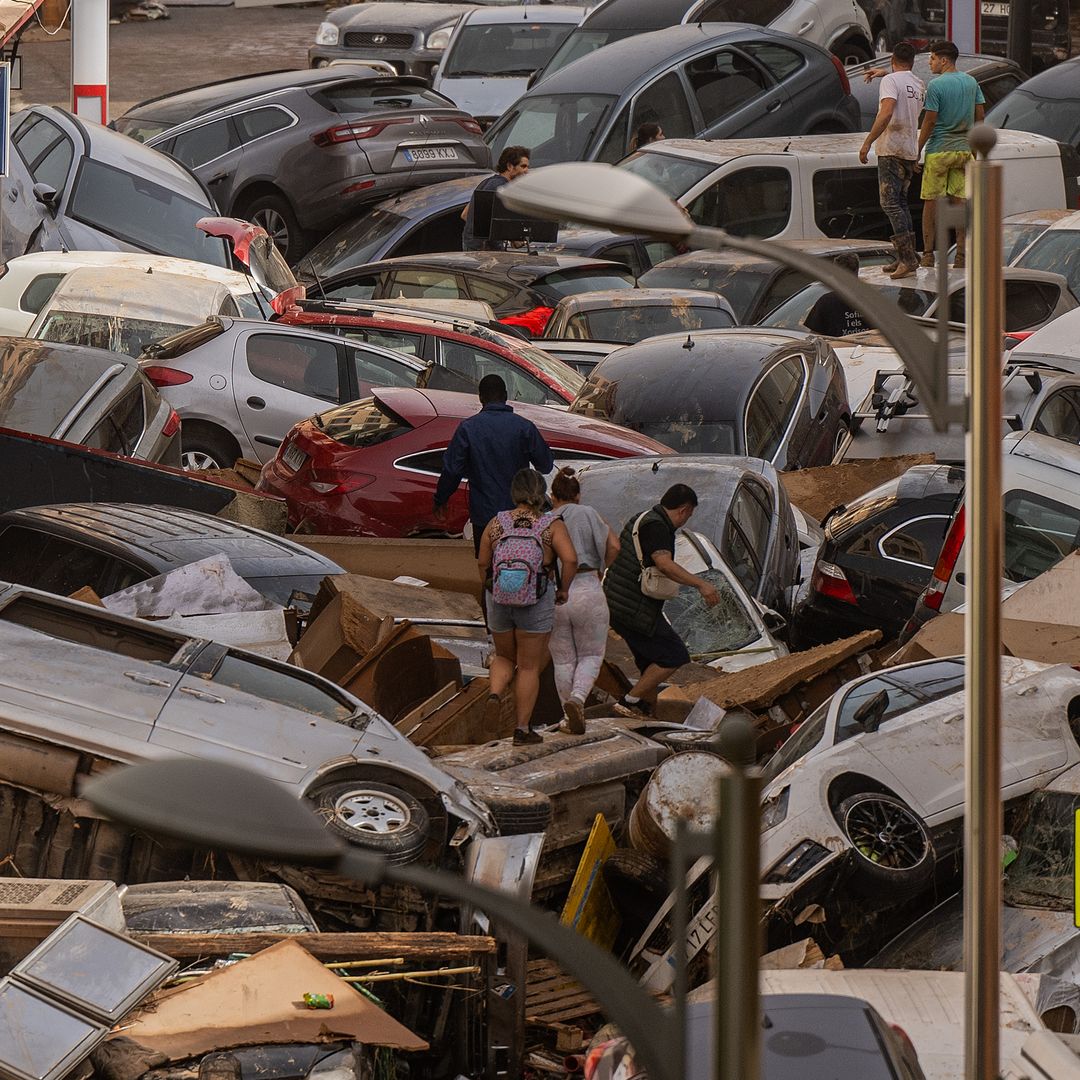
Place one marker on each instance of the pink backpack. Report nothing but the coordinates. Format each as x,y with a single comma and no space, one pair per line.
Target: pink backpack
518,578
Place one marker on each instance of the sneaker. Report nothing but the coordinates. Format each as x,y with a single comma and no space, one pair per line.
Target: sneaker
575,717
635,708
527,737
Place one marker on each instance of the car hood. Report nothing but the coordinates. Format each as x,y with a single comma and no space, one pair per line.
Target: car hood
400,16
488,96
251,245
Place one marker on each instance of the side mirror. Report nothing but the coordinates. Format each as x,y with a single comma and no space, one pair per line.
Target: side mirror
47,196
773,619
870,713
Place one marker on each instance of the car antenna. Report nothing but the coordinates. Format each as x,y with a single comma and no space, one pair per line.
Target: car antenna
315,274
688,344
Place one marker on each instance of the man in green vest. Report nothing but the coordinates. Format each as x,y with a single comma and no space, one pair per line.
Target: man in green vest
639,619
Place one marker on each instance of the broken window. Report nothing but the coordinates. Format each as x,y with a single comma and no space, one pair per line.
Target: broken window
711,632
1042,875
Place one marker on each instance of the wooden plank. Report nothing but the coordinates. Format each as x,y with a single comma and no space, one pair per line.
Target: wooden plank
556,1001
348,946
589,1008
411,721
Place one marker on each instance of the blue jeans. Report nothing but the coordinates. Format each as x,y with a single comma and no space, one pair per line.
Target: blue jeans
894,179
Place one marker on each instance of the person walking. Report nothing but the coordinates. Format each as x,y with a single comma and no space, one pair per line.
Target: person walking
954,102
489,449
579,636
513,162
636,597
516,558
896,132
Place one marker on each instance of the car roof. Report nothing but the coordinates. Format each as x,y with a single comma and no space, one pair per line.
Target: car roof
400,16
617,66
518,267
926,278
603,299
1044,217
129,293
1060,338
820,246
166,537
182,105
1072,221
635,14
525,13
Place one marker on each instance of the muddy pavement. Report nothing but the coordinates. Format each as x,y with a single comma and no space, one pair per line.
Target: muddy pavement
195,45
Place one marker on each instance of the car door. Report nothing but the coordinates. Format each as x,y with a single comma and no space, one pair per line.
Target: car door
734,96
212,151
92,671
895,565
234,706
280,378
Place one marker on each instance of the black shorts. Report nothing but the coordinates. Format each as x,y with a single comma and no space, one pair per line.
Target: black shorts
662,647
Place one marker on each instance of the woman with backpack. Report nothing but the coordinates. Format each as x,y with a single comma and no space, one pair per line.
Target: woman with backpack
579,639
517,556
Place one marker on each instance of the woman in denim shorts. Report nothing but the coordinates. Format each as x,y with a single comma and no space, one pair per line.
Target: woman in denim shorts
521,633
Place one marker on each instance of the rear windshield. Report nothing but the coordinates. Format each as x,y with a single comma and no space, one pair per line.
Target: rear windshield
588,279
364,423
354,244
627,325
360,98
738,285
673,175
503,49
556,127
1059,251
127,336
1023,111
142,213
141,130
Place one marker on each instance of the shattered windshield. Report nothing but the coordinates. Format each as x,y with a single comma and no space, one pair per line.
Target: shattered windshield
711,632
1042,875
629,324
807,735
112,332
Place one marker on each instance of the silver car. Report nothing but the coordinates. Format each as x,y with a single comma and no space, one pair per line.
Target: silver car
89,396
92,689
239,385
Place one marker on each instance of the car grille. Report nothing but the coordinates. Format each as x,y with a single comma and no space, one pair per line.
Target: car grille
366,39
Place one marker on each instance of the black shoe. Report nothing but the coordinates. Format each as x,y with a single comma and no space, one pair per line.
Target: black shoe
634,708
527,738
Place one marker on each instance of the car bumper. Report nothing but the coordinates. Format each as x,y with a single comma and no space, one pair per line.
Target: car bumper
421,62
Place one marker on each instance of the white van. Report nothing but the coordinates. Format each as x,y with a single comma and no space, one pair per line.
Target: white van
1040,487
812,186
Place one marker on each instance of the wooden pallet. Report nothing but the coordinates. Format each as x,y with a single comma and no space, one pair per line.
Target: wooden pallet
553,998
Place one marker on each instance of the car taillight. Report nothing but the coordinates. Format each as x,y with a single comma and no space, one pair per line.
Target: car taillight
341,133
946,562
534,320
845,84
172,425
1014,339
469,124
166,376
829,580
329,482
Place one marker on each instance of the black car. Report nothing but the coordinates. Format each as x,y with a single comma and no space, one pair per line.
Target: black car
751,284
995,75
776,395
111,546
298,152
522,289
923,21
1047,104
877,556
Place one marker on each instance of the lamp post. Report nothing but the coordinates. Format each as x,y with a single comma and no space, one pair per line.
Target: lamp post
222,806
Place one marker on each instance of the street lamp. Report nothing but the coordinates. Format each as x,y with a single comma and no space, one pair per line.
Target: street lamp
222,806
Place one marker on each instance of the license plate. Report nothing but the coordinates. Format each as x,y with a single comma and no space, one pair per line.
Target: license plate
294,457
431,153
995,7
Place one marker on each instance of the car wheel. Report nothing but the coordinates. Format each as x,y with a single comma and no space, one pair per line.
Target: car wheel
638,884
276,216
515,810
853,52
377,816
691,739
204,448
890,842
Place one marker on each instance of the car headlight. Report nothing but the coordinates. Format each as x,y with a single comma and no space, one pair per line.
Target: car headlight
327,34
439,39
798,862
774,809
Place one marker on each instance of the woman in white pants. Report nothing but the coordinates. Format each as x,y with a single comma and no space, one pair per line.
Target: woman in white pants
579,636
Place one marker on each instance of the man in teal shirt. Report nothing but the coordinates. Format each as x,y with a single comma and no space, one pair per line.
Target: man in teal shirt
954,102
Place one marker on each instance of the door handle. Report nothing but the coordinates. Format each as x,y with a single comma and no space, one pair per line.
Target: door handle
256,402
806,27
144,680
774,105
217,177
202,695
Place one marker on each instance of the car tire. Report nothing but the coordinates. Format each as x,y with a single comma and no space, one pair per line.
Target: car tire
690,739
853,52
277,217
891,846
638,883
377,816
207,448
515,810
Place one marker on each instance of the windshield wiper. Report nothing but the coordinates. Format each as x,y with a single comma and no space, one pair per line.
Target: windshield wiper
466,74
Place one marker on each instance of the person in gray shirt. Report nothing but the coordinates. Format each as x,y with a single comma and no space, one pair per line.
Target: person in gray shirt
579,636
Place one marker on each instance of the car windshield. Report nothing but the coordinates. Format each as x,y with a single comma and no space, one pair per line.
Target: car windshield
1016,237
711,632
142,213
1057,250
557,127
627,325
112,332
555,369
582,42
805,737
141,130
503,49
675,176
790,315
740,286
1023,111
1042,875
358,242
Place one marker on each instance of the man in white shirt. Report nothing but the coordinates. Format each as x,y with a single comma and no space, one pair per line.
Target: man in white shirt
896,132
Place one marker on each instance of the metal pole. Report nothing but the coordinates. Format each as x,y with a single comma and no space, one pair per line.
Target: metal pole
1018,47
737,839
90,60
982,622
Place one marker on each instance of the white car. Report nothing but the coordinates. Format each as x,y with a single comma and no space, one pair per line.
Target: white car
30,280
493,52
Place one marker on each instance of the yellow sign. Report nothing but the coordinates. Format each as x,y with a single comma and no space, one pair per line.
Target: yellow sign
589,908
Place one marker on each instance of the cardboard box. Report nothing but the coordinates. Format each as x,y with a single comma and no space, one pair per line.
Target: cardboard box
339,638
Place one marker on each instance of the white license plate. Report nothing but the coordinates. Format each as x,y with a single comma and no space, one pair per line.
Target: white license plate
994,7
294,457
431,153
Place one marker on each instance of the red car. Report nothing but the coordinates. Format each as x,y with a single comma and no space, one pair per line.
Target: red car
370,468
465,349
